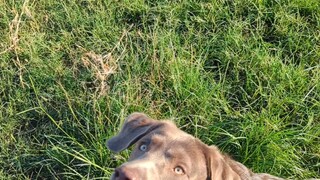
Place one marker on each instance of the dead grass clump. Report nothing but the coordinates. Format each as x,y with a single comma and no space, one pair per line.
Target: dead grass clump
102,67
13,46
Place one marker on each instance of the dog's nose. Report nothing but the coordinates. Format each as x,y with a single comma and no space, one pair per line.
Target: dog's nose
124,173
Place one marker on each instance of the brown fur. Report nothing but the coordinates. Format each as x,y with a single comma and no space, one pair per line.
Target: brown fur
164,152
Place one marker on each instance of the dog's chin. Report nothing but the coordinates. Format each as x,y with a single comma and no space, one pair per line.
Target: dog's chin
112,177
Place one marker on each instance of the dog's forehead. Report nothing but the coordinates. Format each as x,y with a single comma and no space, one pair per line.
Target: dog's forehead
171,130
178,139
171,136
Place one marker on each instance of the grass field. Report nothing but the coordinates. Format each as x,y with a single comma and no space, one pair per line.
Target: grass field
241,74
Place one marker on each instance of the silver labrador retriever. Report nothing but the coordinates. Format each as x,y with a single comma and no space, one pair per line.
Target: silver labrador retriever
164,152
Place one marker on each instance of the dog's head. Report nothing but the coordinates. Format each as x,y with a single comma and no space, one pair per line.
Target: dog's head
162,151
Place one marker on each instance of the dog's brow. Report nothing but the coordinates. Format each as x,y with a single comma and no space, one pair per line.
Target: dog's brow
157,137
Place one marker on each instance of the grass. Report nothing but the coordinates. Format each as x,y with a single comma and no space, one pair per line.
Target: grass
243,75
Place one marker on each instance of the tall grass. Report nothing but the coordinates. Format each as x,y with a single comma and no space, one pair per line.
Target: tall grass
243,75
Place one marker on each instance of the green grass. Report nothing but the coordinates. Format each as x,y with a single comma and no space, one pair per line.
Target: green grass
243,75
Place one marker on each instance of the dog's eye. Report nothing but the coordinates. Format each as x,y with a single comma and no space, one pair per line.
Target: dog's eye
178,170
143,147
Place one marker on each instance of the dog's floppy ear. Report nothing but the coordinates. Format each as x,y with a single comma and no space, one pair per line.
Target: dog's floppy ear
135,127
218,167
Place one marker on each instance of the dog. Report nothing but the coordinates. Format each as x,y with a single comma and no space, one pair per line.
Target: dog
164,152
